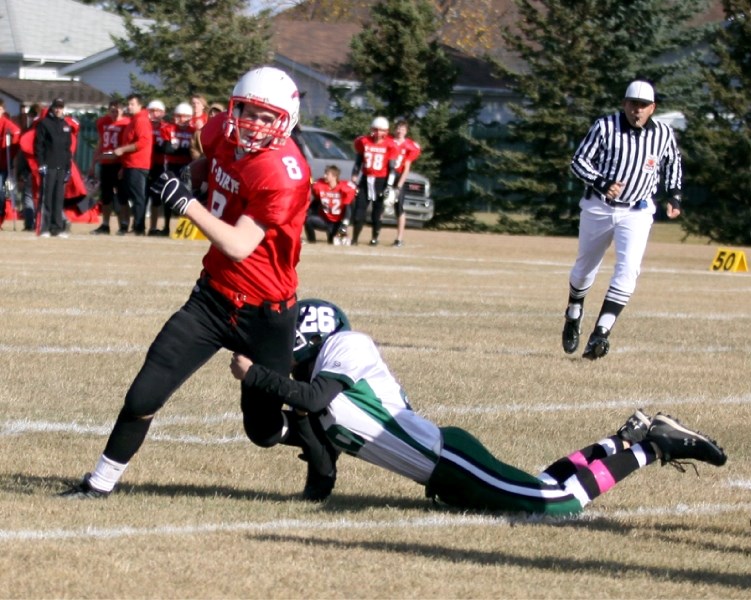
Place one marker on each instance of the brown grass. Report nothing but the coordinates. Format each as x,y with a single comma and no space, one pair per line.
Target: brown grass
470,324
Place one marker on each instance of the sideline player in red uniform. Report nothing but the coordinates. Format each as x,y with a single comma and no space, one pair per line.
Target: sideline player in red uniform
244,300
408,151
372,173
330,206
178,136
10,134
110,129
160,132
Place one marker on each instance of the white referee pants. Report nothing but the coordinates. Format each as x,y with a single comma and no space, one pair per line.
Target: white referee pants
601,225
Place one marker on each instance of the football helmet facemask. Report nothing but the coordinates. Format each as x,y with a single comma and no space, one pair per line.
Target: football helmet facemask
316,321
265,89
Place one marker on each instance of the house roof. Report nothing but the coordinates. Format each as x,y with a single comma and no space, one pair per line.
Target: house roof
56,30
77,95
327,51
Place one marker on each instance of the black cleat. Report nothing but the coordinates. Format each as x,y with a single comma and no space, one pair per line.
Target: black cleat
598,344
677,442
572,328
635,429
374,242
83,490
101,230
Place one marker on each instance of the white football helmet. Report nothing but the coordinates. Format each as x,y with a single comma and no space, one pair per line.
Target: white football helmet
381,123
184,109
269,89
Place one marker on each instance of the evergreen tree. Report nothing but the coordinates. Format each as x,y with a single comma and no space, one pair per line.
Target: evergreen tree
580,55
194,46
406,73
717,143
400,59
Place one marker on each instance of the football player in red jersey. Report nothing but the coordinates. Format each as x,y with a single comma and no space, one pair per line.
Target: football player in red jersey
110,128
178,137
372,172
161,130
408,152
244,299
10,135
330,206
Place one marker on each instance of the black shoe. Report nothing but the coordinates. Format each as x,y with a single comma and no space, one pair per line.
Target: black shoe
398,244
164,232
572,329
83,490
122,231
373,242
635,429
139,232
318,487
598,344
677,442
154,232
101,230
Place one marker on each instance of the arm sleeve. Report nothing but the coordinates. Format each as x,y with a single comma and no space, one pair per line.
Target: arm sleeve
357,165
673,168
582,165
313,396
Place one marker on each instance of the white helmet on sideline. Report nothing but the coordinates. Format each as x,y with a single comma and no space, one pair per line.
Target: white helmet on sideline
381,123
184,109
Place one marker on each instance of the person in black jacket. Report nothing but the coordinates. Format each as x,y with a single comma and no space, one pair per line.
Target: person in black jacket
52,152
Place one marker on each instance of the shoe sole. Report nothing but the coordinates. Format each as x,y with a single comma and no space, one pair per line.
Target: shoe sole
597,350
636,420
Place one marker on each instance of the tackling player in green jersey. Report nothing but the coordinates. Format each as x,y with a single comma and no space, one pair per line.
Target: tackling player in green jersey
340,378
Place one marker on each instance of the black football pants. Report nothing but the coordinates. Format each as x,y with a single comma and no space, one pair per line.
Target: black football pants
205,324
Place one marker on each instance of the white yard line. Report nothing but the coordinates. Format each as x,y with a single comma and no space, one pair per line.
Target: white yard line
26,426
276,526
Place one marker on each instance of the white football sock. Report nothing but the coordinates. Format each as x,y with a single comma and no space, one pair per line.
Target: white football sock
106,474
574,311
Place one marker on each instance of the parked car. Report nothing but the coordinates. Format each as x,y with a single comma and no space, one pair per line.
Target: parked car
322,148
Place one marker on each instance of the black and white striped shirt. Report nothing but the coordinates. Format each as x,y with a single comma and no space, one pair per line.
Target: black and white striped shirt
614,151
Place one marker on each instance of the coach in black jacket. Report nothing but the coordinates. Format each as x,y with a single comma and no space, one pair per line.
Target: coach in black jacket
52,152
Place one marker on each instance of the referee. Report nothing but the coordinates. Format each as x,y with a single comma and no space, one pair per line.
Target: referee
621,162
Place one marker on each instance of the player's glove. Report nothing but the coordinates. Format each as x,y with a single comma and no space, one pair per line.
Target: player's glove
174,194
389,199
42,169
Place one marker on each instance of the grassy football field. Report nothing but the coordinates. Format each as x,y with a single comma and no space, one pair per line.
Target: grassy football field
470,325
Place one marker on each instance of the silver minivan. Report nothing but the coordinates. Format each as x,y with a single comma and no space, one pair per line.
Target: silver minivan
322,148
